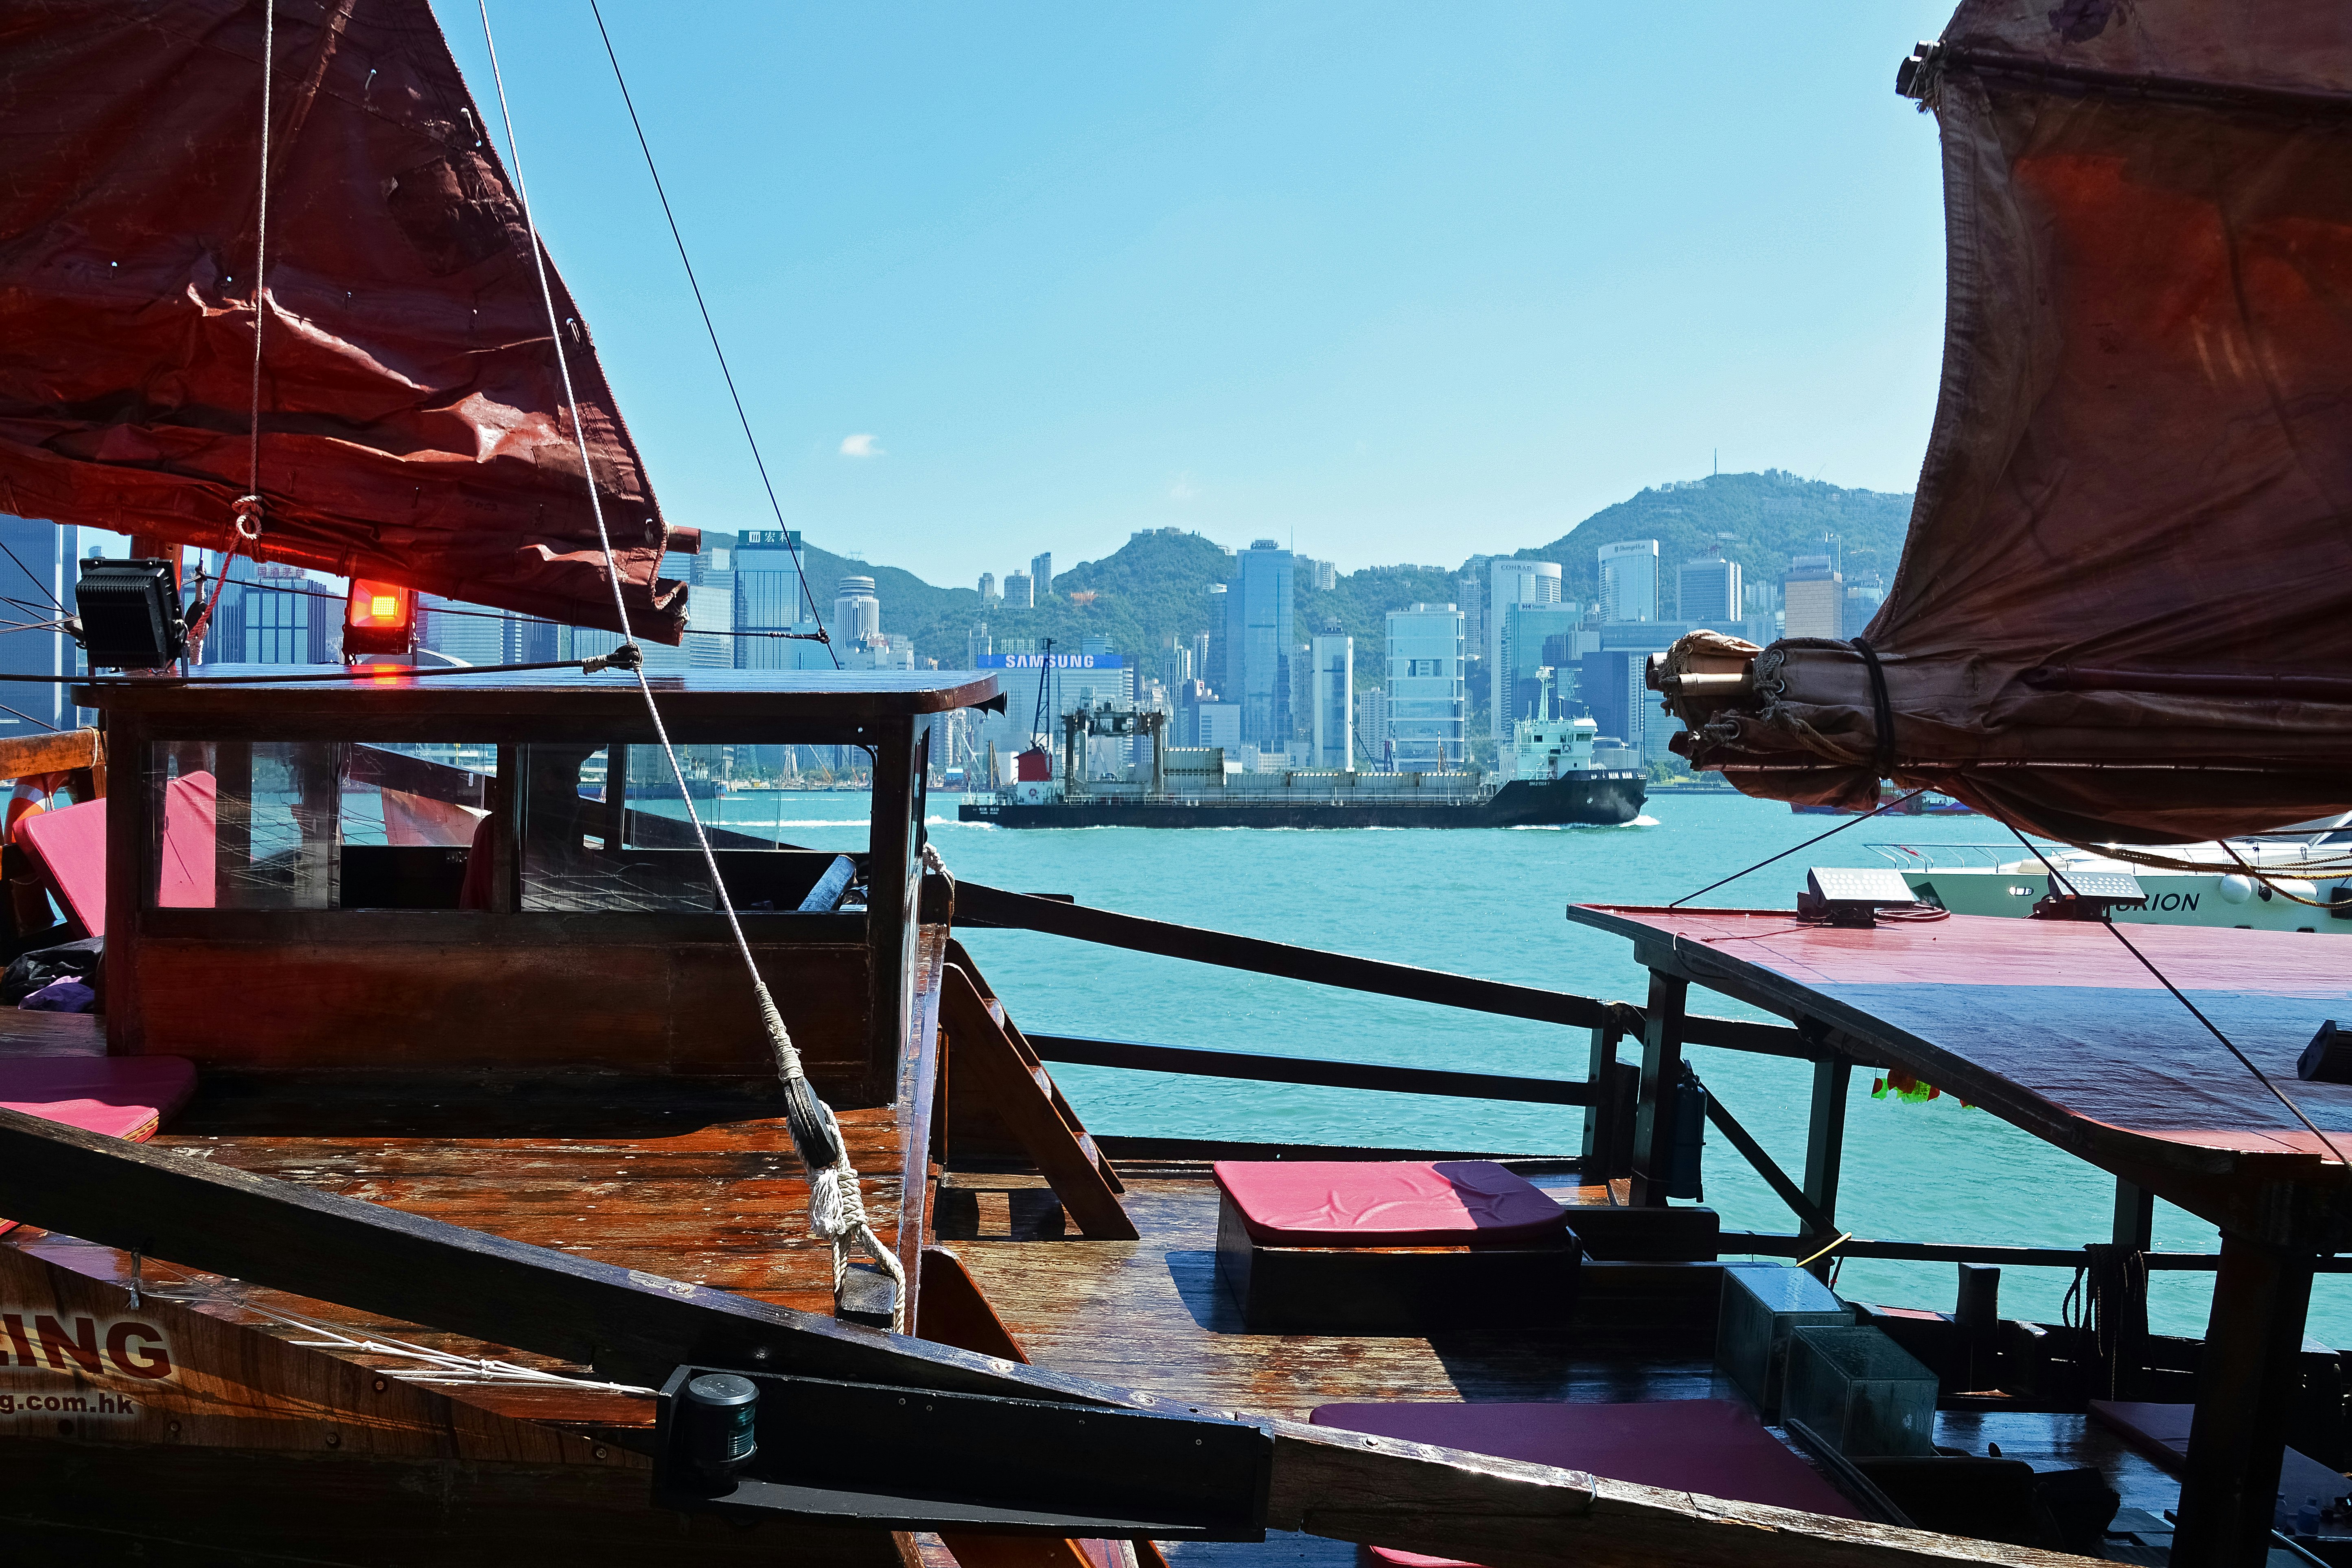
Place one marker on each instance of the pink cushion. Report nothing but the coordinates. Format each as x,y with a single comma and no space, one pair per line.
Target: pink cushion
1715,1447
70,844
1401,1203
124,1096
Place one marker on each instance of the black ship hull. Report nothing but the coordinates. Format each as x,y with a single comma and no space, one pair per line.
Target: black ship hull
1600,799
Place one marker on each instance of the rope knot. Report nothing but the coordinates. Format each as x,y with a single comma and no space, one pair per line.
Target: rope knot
245,516
628,656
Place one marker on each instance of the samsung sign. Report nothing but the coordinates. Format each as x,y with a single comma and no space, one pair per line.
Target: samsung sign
1056,661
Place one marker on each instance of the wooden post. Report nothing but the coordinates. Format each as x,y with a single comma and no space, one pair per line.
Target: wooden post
1602,1057
1662,1072
1825,1146
893,885
2245,1396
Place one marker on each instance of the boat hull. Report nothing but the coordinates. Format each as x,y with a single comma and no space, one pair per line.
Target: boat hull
1594,800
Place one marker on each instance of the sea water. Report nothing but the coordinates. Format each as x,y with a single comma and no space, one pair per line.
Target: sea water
1490,902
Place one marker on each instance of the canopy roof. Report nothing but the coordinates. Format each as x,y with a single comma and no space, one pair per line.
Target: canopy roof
2121,607
413,426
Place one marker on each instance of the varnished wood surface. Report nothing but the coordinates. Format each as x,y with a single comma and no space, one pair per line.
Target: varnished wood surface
24,1033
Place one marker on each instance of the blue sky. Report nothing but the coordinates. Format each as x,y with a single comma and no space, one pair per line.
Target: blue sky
1402,283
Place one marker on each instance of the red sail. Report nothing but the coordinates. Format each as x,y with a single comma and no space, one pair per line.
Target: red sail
2121,611
412,419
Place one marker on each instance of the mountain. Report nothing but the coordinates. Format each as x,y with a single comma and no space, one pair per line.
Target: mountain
1758,519
1156,585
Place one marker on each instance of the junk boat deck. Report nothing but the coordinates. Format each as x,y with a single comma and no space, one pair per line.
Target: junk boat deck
482,1167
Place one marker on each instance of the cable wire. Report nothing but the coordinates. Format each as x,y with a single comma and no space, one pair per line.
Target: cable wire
700,304
835,1208
1807,844
2162,979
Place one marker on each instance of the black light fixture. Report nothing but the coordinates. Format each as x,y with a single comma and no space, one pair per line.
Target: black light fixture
1846,895
2088,896
130,614
720,1414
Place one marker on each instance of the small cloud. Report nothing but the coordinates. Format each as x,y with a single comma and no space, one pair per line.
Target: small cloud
1183,488
862,445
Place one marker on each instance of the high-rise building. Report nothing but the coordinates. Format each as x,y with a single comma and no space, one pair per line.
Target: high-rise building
987,589
1863,594
769,596
1258,640
1512,582
1428,694
1321,576
1019,591
1335,684
42,573
1527,631
1628,581
1813,598
857,612
1372,730
977,645
1041,573
1709,591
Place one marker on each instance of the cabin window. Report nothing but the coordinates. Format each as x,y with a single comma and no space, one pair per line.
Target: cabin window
319,825
604,831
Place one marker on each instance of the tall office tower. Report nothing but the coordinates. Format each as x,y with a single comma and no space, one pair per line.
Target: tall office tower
1528,630
1258,642
987,589
856,613
768,598
1863,594
710,610
1335,688
1628,581
1813,598
1512,582
1709,591
977,646
1041,573
1201,642
1428,700
1019,591
1372,729
1175,664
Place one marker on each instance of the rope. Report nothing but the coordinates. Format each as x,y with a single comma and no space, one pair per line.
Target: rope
2162,979
757,461
836,1213
1807,844
246,511
1883,709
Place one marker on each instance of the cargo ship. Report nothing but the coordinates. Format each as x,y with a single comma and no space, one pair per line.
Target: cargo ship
1554,783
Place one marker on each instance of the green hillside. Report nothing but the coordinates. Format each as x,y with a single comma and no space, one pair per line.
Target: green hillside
1156,585
1758,519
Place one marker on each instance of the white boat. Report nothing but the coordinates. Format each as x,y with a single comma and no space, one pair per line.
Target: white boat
2260,882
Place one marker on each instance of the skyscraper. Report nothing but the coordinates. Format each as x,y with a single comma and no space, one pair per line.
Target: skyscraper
1041,573
1335,684
1709,591
1513,583
769,598
1428,698
1258,642
1628,581
987,589
1813,598
1019,591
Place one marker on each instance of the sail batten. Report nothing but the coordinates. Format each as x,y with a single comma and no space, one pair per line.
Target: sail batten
412,423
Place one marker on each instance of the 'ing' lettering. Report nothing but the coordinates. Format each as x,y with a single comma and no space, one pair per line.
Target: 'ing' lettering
135,1349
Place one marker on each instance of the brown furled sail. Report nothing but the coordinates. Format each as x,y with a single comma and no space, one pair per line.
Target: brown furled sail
2123,609
412,422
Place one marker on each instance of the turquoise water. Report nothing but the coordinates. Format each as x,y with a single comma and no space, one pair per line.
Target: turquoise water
1488,902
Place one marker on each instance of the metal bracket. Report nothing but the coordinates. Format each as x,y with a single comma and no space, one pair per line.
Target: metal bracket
914,1458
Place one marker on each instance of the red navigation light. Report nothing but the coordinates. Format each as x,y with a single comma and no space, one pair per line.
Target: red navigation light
379,617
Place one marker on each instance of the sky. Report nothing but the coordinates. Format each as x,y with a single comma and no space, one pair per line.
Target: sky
1393,283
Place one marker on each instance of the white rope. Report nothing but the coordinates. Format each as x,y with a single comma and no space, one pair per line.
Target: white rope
836,1212
247,511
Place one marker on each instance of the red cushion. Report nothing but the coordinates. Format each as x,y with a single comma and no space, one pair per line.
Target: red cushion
1400,1203
1715,1447
125,1097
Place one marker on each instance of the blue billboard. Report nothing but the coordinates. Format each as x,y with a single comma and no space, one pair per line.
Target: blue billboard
1055,660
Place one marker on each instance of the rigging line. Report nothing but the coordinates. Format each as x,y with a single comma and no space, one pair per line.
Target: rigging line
2162,979
1807,844
260,269
36,583
28,718
521,620
758,462
836,1209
